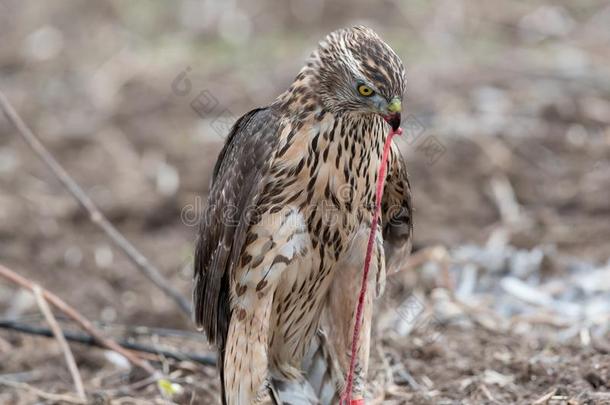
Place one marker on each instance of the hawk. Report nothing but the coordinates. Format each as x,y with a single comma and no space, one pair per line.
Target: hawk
281,246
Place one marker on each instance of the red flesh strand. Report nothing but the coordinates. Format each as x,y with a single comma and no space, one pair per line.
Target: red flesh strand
346,396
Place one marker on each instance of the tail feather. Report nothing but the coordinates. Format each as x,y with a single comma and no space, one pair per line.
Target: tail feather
322,371
322,383
293,392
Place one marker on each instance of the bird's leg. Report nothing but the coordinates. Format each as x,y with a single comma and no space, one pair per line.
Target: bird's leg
245,361
275,242
345,305
343,300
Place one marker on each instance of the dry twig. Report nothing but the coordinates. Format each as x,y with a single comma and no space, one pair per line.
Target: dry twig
95,215
78,318
61,339
57,398
206,360
545,398
505,199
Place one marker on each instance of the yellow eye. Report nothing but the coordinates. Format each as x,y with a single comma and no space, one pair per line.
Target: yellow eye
365,90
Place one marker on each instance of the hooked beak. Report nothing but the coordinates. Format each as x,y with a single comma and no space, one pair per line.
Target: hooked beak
393,115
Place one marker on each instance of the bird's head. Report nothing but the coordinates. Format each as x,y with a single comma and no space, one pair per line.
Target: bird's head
357,72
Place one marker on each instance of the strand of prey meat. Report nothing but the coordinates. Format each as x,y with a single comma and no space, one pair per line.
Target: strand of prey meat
346,396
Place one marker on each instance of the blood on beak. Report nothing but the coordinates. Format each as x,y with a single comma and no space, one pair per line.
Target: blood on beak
393,116
393,120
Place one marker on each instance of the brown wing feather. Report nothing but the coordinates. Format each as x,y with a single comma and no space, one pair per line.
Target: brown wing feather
397,214
236,184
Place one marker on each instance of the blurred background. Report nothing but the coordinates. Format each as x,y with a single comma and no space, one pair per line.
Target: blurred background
507,137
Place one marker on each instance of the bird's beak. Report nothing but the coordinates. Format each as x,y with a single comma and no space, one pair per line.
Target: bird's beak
393,115
395,105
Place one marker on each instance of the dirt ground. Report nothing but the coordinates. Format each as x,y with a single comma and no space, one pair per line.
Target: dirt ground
507,138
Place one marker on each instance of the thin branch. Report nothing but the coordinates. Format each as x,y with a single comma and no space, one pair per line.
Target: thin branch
95,215
78,318
59,336
209,360
59,398
505,199
120,328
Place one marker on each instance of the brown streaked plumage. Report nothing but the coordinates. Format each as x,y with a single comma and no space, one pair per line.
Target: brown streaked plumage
281,247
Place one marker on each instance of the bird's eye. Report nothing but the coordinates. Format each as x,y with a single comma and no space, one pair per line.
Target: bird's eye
365,90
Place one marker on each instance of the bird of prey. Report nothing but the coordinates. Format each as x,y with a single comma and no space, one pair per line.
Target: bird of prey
281,246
